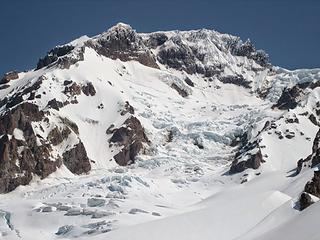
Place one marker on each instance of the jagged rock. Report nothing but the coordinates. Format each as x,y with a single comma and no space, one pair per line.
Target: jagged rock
247,49
67,82
53,103
314,158
178,55
19,96
32,159
181,91
305,200
254,161
293,119
56,136
289,135
239,140
189,82
199,143
288,98
312,187
88,89
70,124
242,49
53,55
110,129
4,86
156,39
9,76
76,159
131,138
67,61
127,109
73,90
122,42
313,119
236,80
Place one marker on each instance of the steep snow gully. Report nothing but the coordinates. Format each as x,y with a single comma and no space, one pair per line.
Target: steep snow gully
164,135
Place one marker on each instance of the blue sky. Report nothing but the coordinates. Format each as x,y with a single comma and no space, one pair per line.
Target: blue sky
287,29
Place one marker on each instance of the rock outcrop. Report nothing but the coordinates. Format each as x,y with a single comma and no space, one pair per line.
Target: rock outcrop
313,188
182,92
247,49
21,156
76,159
9,76
236,80
62,56
89,89
252,160
314,158
23,153
291,97
131,138
122,42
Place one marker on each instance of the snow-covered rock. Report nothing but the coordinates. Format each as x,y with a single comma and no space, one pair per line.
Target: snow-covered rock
189,116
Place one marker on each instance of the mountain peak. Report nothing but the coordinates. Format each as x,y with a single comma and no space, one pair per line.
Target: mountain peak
120,25
194,113
119,30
